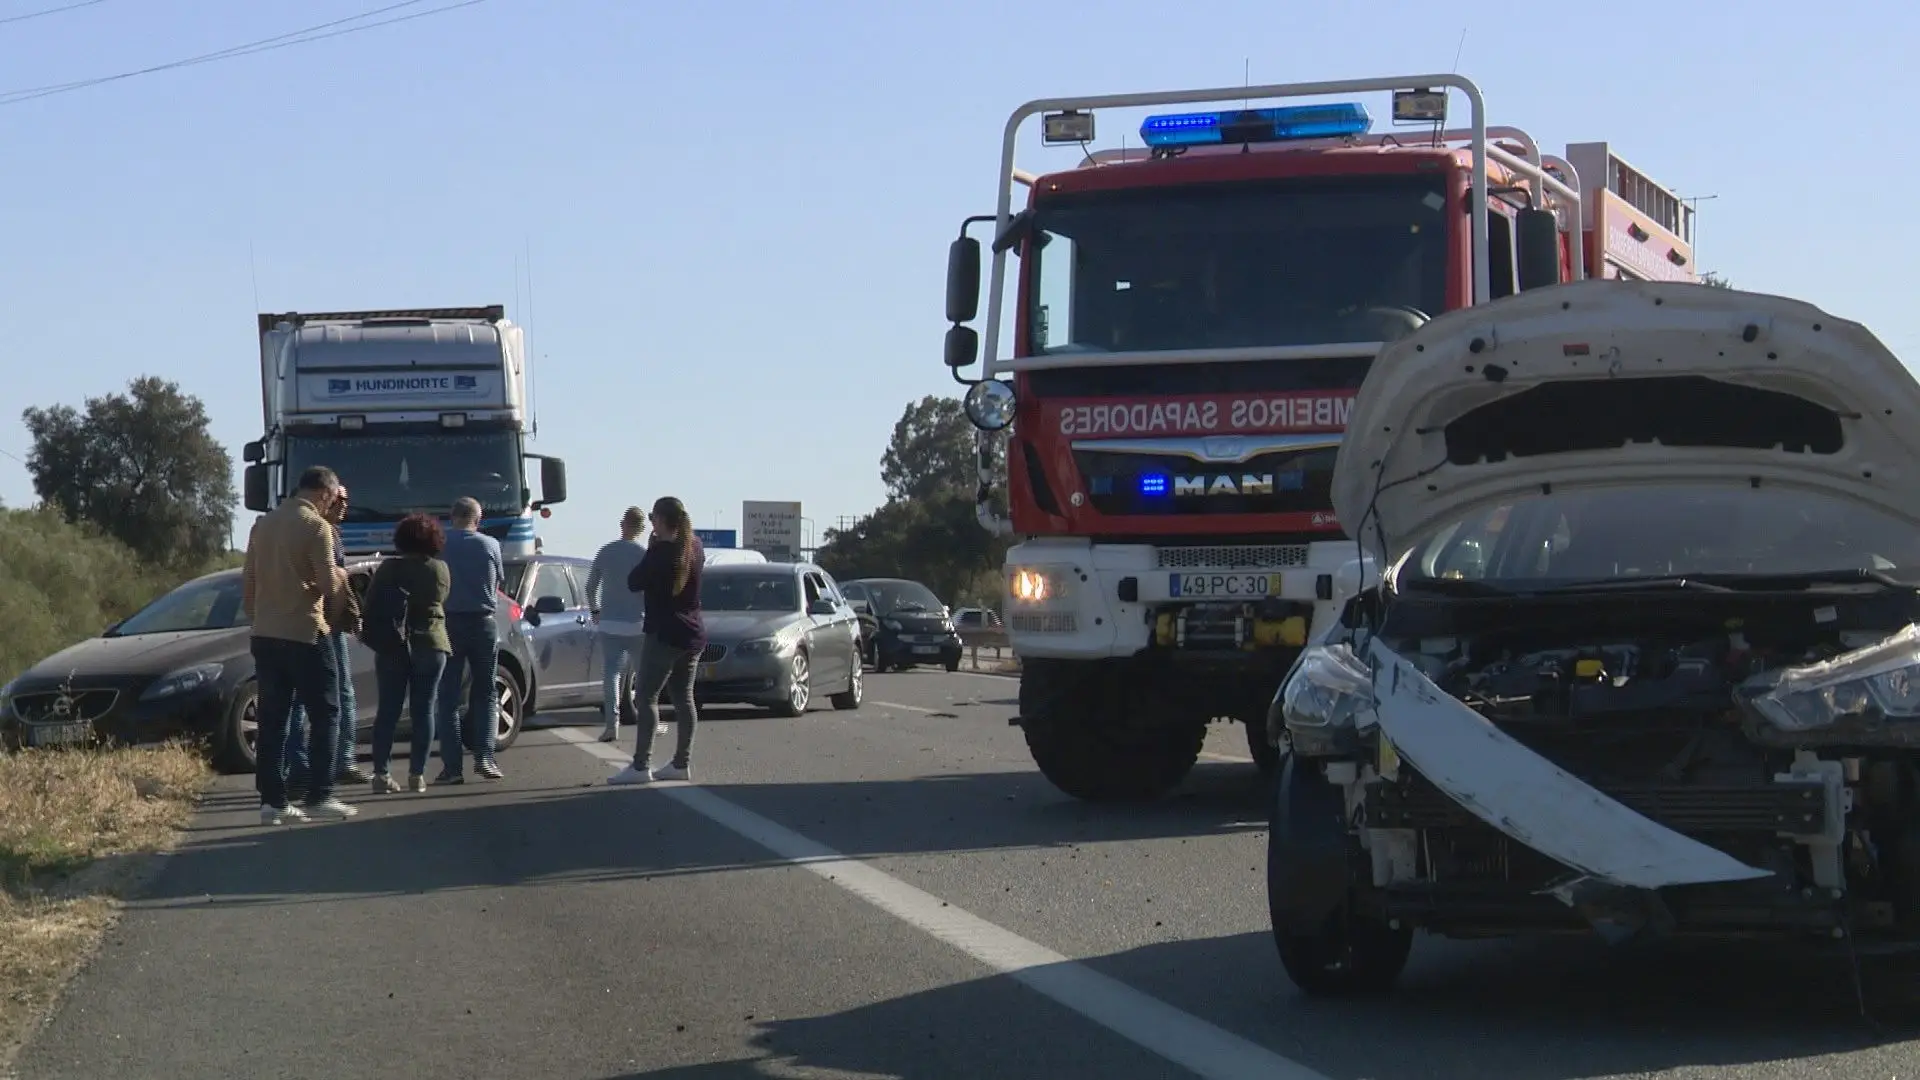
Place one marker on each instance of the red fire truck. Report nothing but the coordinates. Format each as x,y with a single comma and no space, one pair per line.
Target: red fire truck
1192,317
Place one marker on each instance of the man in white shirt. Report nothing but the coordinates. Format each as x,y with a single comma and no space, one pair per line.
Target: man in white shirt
617,614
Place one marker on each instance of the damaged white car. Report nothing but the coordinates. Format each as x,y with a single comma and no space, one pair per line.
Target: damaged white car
1644,657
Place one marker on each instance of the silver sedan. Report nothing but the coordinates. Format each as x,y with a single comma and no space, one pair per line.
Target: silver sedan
777,634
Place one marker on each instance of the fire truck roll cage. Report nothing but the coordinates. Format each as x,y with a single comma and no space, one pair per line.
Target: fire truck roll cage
1539,170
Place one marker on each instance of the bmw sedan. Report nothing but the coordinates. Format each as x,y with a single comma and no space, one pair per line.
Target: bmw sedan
182,667
777,635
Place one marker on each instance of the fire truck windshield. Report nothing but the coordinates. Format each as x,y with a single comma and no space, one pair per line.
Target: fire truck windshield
1238,265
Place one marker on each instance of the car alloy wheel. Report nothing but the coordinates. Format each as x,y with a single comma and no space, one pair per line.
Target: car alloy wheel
799,692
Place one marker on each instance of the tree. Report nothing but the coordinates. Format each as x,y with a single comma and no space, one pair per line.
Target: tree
927,530
1715,281
142,466
932,449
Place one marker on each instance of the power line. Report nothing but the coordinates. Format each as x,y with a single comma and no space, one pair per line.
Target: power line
278,41
49,11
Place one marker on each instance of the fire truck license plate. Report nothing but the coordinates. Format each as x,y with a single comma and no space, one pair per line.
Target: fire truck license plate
1223,585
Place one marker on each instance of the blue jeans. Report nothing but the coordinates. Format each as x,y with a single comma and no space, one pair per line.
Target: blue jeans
289,672
621,654
401,676
295,766
476,652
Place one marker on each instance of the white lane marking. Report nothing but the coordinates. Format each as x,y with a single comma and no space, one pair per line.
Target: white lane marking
1180,1037
1211,756
909,708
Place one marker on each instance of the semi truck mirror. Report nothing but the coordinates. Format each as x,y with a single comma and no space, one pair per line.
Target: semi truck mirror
963,346
553,481
258,489
253,452
1539,235
963,281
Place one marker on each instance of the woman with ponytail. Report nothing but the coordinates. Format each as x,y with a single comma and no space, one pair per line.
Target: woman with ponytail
674,635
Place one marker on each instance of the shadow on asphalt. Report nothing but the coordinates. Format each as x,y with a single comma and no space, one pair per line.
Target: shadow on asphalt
1555,1010
1511,1014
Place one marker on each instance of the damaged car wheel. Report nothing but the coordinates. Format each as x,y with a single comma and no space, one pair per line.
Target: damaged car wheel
1329,942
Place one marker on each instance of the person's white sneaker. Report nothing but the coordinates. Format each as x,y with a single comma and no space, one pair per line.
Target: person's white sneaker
631,775
275,815
660,728
331,810
673,772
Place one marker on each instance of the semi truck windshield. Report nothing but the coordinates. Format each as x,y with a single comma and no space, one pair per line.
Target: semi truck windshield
1222,266
390,476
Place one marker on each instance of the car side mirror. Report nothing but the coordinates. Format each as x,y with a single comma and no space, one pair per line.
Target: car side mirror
549,605
822,606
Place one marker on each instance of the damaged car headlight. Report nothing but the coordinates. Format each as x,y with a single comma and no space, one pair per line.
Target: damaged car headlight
1329,688
1880,681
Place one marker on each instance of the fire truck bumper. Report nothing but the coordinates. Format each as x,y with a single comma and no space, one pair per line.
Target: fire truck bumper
1070,599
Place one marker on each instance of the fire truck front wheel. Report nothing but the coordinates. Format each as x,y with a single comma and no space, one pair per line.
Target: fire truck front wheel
1100,735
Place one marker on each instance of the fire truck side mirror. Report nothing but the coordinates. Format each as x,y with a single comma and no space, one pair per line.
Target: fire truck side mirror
258,496
963,346
1538,232
963,280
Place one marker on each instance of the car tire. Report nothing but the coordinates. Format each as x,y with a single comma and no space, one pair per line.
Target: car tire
953,665
856,688
1266,756
236,744
510,703
799,687
1329,945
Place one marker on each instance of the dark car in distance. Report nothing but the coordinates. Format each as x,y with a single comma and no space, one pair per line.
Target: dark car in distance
181,667
910,626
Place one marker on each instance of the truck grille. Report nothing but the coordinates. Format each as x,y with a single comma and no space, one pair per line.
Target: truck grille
1245,557
1061,622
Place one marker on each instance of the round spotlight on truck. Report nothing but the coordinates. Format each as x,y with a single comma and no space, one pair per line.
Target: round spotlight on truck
990,405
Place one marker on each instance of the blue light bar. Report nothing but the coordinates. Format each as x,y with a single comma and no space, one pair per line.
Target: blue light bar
1257,125
1153,484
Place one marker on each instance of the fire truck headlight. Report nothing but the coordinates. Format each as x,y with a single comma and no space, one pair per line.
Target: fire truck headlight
990,404
1034,585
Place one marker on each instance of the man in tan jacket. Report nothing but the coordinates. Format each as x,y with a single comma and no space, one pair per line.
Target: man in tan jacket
291,586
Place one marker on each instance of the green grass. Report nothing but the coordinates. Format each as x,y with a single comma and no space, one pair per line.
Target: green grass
62,583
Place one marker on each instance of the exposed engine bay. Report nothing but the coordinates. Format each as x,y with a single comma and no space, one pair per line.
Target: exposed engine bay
1747,752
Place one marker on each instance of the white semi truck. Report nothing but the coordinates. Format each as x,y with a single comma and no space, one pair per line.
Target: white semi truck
412,408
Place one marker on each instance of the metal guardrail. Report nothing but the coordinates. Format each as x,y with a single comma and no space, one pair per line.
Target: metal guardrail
975,638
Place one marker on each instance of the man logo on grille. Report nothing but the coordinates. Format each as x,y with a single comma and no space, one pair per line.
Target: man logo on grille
63,706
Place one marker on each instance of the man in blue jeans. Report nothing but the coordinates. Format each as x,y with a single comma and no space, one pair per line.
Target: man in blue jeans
292,588
345,768
475,571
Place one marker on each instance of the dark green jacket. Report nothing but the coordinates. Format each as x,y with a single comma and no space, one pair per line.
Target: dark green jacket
426,582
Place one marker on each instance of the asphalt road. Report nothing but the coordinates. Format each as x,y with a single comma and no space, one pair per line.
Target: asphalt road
888,892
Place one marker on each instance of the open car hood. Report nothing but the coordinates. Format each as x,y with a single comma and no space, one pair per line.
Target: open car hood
1615,383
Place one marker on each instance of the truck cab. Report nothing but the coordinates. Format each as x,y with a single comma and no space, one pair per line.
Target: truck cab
1191,318
412,408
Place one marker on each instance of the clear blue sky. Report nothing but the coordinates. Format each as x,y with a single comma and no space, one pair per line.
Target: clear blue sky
738,213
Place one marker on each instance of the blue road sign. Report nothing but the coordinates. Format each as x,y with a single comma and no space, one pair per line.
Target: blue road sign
718,538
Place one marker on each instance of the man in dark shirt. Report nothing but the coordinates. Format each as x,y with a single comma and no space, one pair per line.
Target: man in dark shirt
475,571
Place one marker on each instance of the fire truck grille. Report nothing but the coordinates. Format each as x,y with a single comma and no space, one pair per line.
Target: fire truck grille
1248,557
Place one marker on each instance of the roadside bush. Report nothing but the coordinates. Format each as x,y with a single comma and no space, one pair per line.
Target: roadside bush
62,583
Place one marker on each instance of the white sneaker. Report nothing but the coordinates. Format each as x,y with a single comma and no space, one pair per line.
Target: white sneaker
631,775
271,815
331,810
673,772
660,728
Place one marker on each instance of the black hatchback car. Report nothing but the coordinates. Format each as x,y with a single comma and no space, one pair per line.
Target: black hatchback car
181,666
910,626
